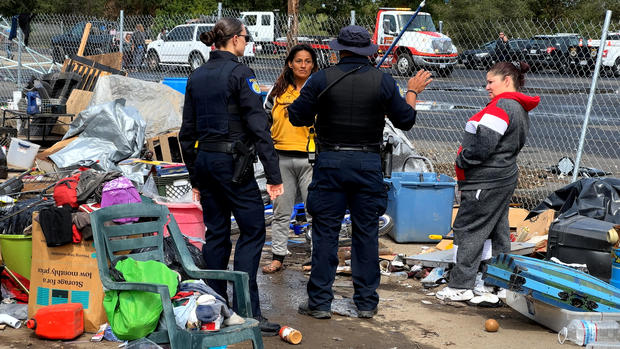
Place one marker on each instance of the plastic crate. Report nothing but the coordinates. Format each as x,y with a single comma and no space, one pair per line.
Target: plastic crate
173,186
420,204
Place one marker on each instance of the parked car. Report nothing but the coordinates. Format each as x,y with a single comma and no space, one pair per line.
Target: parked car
552,51
611,53
487,55
182,46
101,39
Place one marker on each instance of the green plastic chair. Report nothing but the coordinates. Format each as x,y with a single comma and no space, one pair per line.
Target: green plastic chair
114,241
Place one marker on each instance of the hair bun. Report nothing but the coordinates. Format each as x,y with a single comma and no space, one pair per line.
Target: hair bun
208,38
524,67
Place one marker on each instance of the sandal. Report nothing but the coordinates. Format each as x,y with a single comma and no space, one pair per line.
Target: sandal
274,267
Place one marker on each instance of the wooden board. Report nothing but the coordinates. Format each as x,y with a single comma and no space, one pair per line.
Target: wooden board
166,147
54,148
112,60
85,34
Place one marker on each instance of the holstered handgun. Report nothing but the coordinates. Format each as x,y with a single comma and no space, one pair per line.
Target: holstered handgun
387,149
311,146
244,158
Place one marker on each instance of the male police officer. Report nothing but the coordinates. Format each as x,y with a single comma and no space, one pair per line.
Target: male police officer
350,102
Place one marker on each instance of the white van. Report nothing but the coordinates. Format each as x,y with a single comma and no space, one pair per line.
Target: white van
262,26
182,46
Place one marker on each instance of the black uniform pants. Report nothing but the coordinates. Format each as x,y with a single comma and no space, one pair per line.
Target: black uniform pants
341,180
219,198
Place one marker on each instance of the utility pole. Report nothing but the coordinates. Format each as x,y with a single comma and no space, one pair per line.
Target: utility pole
293,23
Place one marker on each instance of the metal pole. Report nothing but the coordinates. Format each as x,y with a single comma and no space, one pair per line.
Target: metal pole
352,17
219,10
441,26
19,57
120,27
401,33
597,69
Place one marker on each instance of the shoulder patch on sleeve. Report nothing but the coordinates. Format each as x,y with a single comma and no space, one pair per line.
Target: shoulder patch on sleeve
253,84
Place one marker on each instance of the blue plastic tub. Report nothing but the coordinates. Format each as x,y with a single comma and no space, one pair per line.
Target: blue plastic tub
420,204
615,267
179,84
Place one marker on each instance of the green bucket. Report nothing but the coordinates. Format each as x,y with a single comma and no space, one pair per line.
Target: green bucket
17,253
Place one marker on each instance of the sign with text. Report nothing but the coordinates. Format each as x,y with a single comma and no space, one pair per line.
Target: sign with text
66,274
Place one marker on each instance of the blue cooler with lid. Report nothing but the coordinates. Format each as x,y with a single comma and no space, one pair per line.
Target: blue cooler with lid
420,203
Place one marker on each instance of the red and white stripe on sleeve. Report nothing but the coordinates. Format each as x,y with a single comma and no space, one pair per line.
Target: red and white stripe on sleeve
492,117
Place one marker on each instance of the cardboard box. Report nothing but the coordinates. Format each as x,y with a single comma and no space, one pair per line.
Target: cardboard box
66,274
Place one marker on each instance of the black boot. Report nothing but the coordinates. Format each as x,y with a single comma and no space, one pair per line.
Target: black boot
267,328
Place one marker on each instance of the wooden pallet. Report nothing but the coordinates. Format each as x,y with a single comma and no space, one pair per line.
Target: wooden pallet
166,147
90,71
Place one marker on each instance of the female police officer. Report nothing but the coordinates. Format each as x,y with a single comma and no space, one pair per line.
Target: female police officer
223,122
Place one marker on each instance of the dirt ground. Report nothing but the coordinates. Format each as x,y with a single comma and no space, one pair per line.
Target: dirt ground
403,320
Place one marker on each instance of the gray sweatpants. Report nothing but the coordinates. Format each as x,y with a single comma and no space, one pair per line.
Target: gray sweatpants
483,215
296,175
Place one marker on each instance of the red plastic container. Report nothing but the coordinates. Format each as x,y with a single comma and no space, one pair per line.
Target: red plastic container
60,321
189,219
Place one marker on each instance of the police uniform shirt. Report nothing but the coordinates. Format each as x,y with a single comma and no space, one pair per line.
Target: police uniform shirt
246,92
305,108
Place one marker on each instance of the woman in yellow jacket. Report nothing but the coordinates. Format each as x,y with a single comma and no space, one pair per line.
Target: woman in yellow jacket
290,143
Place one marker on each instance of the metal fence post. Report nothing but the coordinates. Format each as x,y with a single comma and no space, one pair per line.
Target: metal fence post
597,69
121,37
352,17
219,10
19,57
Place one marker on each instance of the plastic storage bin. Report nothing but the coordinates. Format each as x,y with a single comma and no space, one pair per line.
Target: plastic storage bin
173,186
21,153
420,205
189,219
177,84
550,316
615,267
17,253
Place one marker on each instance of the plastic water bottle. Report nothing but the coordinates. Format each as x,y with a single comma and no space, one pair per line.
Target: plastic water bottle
582,332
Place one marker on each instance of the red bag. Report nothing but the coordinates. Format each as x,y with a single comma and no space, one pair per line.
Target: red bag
65,191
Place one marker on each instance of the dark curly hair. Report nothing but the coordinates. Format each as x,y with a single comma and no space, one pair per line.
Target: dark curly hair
223,31
516,70
286,77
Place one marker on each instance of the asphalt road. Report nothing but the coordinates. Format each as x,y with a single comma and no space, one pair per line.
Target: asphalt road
449,102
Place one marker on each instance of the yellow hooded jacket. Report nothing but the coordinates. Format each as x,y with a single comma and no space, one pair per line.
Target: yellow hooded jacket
286,136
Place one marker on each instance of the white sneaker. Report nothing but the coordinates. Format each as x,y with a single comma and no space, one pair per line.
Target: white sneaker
455,294
479,287
501,294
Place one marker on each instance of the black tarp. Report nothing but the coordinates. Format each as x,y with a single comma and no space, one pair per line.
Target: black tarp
597,198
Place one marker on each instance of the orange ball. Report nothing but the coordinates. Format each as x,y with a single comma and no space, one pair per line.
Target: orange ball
491,325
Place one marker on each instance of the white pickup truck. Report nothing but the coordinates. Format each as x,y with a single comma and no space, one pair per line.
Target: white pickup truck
182,46
611,53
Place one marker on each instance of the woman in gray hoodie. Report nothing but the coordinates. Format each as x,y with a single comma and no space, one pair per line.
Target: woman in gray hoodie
487,173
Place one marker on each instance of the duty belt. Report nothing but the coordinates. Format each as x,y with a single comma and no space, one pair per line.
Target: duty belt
364,148
220,147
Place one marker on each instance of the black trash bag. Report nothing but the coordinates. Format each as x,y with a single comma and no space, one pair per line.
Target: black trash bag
173,261
597,198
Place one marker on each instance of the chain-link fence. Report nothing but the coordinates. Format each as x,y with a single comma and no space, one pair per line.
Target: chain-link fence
562,56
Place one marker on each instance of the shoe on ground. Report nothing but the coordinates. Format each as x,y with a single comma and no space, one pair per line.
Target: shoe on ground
501,294
366,314
267,328
304,309
487,300
455,294
481,290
